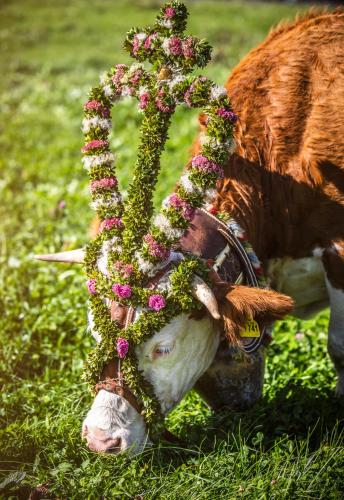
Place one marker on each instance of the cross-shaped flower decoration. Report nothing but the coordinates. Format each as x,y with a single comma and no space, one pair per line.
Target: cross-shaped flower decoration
130,247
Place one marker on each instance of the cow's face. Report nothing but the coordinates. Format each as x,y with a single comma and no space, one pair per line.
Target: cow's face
172,361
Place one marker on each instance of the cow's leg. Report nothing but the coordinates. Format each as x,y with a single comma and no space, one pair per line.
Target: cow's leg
334,266
234,380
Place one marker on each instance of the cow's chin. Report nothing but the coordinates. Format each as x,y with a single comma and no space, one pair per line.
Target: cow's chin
112,425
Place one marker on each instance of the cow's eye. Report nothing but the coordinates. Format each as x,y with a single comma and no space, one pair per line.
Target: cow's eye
162,350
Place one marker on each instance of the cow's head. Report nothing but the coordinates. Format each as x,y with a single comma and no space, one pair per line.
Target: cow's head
173,359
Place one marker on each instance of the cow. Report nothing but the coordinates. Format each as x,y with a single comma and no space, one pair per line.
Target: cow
284,185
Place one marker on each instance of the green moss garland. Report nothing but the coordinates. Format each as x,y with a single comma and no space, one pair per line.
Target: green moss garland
130,246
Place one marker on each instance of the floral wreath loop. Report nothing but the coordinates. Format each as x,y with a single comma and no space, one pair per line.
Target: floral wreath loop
130,248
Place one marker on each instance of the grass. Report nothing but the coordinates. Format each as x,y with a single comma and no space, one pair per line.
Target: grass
290,445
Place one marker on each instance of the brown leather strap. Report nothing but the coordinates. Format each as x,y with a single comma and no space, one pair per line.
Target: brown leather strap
117,386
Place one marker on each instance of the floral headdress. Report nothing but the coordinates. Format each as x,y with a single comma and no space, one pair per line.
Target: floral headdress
132,246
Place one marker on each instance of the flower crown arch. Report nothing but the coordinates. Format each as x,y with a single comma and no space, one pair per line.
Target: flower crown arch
132,246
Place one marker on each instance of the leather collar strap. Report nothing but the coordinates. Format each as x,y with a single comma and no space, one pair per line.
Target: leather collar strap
118,386
207,238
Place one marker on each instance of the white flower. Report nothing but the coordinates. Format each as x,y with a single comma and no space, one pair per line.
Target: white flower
209,195
231,146
163,223
114,199
207,206
217,91
166,22
134,67
173,82
145,266
108,246
164,284
141,36
108,90
143,90
166,201
91,326
236,228
90,161
166,46
95,121
205,140
126,91
103,78
188,185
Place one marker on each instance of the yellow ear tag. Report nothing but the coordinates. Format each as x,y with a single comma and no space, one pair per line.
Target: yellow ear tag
251,329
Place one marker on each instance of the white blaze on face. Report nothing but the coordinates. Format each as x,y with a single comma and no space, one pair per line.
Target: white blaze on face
174,358
172,361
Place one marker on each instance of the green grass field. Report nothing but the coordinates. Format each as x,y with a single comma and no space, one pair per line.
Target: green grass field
290,445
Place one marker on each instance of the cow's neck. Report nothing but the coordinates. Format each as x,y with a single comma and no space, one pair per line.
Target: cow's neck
245,195
266,207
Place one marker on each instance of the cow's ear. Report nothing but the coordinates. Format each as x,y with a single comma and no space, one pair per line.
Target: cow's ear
242,303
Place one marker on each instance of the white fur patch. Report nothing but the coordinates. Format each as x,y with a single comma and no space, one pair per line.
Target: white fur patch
118,419
194,344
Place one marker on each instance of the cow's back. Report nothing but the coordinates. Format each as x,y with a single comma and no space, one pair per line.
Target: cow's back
289,95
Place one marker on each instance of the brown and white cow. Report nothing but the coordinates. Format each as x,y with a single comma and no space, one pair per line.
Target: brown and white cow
284,185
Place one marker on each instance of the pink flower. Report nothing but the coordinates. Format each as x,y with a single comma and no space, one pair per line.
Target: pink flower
227,115
144,99
111,222
122,346
187,211
136,45
169,12
148,41
175,46
175,201
165,108
122,291
116,79
62,205
105,183
202,163
94,144
156,249
156,302
128,270
188,93
91,285
187,47
98,107
299,336
124,269
136,77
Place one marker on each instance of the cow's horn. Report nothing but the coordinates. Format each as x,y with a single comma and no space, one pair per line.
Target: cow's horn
76,256
204,294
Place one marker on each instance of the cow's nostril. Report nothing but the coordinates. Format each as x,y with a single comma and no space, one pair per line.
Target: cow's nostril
99,441
114,445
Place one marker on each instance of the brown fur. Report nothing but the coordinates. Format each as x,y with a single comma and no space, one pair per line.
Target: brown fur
243,303
285,184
